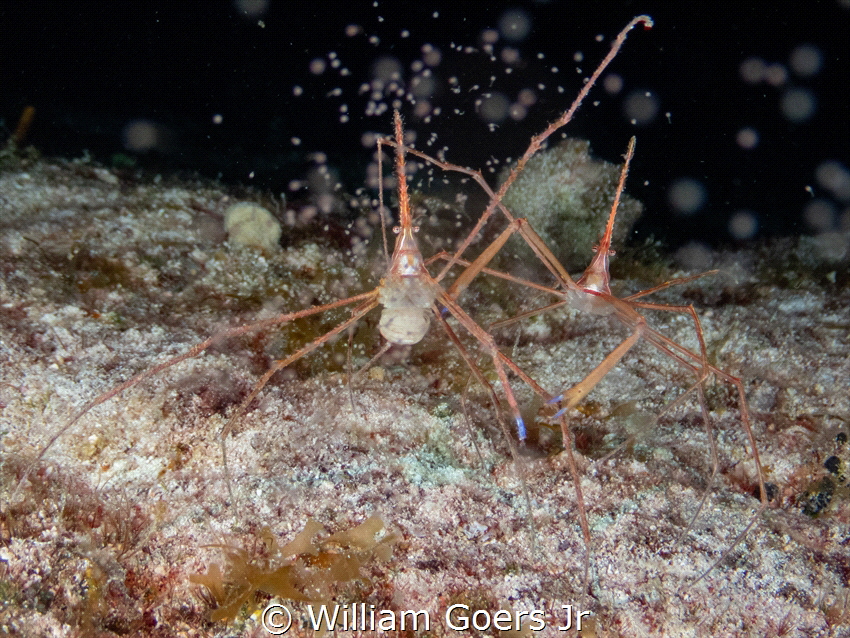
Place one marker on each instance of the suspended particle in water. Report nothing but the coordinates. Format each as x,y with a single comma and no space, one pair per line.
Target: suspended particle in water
687,195
834,177
251,8
753,70
695,256
423,86
515,25
144,135
518,111
526,97
422,109
385,70
806,60
493,107
510,56
776,74
431,55
613,83
489,36
743,224
798,105
641,107
747,138
820,215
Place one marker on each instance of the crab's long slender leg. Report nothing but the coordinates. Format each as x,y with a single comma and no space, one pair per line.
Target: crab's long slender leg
535,145
501,362
592,293
192,352
370,302
537,141
678,281
479,376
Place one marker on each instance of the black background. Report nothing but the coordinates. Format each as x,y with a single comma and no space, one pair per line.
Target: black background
89,68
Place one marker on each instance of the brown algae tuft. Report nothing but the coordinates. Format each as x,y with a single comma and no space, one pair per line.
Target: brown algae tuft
306,569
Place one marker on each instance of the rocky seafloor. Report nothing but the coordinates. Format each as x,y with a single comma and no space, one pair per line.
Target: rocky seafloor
105,275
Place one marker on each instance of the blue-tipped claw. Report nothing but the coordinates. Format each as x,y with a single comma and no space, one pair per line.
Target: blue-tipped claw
559,413
556,399
520,429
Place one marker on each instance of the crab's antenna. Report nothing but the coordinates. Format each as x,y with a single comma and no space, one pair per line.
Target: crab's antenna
596,277
381,199
405,219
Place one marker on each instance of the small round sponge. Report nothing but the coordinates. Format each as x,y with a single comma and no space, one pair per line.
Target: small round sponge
248,224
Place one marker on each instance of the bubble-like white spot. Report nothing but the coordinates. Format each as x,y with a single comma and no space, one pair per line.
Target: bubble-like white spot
753,70
143,135
218,118
806,60
526,97
489,36
251,8
641,107
686,195
423,86
743,224
386,69
695,256
510,55
798,105
493,107
747,138
422,109
613,83
515,25
317,66
834,177
820,215
369,139
518,112
431,55
776,74
353,29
